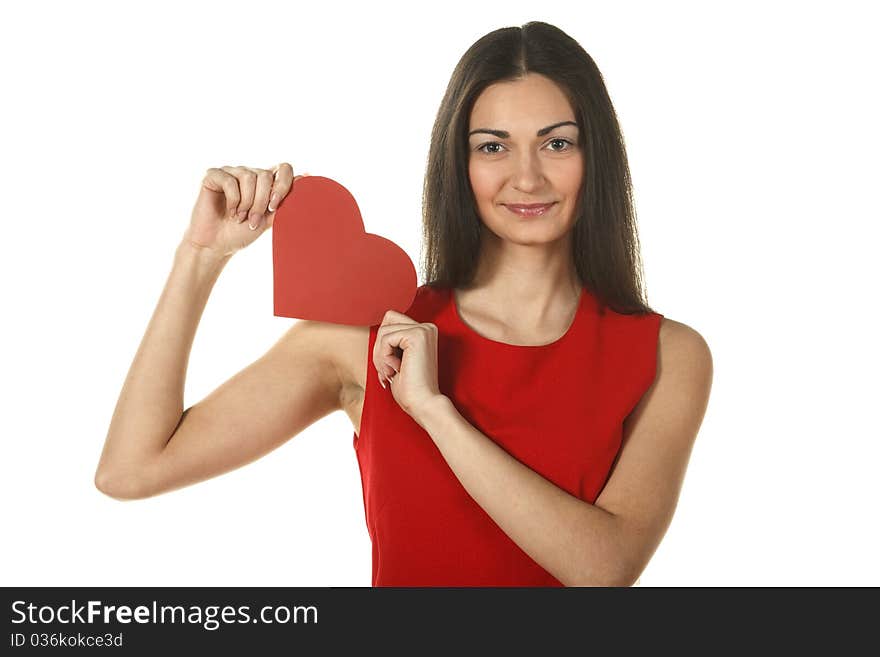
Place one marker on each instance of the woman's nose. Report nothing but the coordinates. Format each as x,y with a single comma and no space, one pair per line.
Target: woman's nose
528,171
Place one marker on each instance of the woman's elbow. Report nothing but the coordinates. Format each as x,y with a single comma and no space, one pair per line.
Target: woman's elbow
120,486
614,573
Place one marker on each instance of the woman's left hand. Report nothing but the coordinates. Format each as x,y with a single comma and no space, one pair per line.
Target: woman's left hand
405,354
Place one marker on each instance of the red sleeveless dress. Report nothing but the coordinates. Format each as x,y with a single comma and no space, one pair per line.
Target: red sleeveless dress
557,408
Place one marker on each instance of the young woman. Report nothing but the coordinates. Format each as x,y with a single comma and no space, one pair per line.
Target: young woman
529,420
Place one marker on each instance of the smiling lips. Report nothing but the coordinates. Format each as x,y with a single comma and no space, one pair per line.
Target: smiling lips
528,210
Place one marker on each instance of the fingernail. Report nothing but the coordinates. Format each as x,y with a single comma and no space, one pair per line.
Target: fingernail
381,383
254,221
242,215
272,202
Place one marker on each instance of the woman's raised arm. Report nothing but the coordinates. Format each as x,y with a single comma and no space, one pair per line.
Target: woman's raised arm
153,445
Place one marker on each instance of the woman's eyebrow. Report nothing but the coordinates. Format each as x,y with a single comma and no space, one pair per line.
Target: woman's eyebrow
503,134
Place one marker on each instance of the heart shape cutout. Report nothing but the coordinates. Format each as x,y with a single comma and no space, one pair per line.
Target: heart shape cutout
326,267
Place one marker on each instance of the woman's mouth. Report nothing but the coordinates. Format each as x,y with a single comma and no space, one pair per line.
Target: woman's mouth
529,210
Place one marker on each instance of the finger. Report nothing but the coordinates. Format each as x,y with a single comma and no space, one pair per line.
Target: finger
247,186
283,180
276,198
387,349
217,180
261,197
384,350
392,321
394,317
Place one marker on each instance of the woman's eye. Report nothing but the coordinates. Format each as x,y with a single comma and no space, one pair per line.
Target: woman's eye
488,143
564,141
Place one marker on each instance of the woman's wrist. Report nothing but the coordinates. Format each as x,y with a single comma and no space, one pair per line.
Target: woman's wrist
434,413
204,258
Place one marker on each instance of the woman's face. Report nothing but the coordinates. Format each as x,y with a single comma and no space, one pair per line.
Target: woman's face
513,158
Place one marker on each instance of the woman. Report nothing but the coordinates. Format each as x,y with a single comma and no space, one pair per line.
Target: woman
529,420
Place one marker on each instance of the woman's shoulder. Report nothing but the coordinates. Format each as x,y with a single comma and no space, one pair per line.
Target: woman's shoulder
678,334
681,345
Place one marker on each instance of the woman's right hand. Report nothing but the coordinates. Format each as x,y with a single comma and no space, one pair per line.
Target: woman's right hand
230,200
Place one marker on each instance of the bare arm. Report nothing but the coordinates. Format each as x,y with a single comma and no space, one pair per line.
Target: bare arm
150,405
153,445
610,542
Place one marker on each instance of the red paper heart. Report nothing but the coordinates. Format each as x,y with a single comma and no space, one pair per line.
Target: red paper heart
326,267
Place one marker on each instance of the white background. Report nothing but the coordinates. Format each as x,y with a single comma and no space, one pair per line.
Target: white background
752,138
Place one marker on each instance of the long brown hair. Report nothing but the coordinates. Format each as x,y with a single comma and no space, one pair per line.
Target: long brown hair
605,241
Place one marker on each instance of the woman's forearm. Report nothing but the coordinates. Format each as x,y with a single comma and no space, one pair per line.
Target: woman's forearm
573,540
150,404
